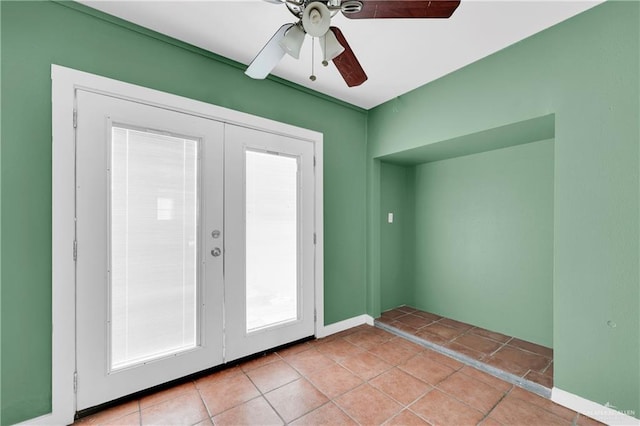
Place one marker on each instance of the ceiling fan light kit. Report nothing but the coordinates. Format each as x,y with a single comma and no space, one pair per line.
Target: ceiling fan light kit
315,19
330,46
292,41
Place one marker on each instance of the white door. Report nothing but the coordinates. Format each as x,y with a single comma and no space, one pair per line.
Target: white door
269,246
149,215
153,188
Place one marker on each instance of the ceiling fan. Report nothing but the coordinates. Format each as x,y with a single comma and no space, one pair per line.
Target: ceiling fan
314,18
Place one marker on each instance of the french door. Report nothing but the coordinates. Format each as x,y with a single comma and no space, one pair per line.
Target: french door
269,246
194,244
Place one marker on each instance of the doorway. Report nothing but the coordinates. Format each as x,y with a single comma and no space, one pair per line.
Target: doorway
195,243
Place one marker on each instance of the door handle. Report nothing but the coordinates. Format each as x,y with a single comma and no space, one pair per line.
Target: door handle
216,252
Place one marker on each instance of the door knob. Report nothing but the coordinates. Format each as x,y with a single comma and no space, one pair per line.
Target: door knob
216,252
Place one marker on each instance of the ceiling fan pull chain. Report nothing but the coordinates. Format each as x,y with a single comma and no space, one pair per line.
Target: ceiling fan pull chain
312,77
324,51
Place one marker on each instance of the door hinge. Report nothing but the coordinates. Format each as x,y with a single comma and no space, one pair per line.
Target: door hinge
75,250
314,161
314,238
75,381
315,315
75,118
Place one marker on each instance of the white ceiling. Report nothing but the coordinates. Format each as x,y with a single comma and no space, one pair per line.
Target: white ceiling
398,55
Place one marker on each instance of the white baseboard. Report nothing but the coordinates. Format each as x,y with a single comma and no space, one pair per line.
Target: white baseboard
337,327
47,420
607,413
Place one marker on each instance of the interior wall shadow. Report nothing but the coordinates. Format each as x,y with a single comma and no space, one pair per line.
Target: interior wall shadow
397,235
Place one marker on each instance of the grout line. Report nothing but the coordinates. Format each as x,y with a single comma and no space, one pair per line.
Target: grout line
457,398
504,395
501,346
206,407
261,395
418,415
341,409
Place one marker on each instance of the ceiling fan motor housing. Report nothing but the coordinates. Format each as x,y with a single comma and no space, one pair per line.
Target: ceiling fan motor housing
297,7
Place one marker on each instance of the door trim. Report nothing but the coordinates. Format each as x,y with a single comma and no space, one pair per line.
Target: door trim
65,81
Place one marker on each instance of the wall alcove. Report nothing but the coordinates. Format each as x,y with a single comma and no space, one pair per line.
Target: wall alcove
471,236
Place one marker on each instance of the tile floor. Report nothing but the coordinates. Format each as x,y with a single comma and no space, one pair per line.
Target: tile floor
364,375
524,359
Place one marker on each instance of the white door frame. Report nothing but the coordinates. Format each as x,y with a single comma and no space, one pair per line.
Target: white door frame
64,83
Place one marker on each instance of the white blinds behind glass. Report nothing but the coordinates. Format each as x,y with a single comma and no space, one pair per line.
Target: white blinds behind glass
271,239
154,211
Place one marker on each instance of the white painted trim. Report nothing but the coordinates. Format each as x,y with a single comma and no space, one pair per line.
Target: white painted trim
63,267
337,327
65,81
109,87
46,420
603,413
319,230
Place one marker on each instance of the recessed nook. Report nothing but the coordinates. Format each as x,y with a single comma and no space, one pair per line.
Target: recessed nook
466,237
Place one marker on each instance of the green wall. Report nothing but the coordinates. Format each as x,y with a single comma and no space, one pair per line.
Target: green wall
484,231
397,253
36,34
585,71
472,238
0,223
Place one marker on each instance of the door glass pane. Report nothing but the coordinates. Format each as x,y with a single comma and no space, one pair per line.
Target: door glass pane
154,212
271,239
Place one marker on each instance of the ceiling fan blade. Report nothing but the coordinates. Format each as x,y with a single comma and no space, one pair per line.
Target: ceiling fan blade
275,1
347,63
269,56
379,9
